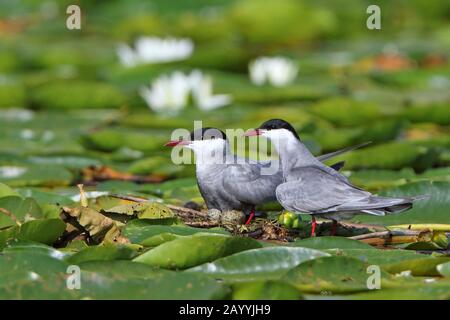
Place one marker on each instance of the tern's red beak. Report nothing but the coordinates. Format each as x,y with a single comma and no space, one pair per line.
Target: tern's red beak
252,133
174,143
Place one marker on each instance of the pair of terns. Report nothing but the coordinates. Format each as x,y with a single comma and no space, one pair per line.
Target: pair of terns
302,183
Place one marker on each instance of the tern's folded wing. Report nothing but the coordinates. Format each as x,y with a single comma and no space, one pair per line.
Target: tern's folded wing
311,189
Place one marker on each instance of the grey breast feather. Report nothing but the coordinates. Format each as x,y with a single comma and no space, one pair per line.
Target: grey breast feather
248,185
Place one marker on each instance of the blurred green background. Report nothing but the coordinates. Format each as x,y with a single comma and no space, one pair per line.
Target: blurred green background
70,111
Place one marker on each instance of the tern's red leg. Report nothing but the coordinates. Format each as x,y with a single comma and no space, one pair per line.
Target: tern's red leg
250,218
334,228
313,226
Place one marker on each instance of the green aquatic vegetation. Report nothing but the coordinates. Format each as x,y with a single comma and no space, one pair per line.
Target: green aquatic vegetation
74,95
71,113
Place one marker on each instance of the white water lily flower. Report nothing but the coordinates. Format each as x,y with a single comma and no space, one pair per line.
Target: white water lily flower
277,71
155,50
170,93
202,92
27,134
11,172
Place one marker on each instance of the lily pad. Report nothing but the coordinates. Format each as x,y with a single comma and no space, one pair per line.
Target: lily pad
24,265
345,112
377,256
265,290
46,231
124,268
26,276
102,253
258,264
139,230
419,267
330,243
158,239
5,191
348,275
433,291
19,209
444,269
39,175
194,250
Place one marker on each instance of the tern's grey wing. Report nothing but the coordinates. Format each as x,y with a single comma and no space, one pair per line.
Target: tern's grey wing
312,189
341,151
249,184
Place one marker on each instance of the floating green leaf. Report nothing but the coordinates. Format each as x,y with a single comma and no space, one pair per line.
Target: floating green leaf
102,253
139,230
377,256
194,250
263,263
347,275
444,269
418,267
330,243
42,230
18,209
265,290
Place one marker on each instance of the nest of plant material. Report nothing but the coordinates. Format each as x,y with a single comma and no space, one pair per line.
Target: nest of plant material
94,224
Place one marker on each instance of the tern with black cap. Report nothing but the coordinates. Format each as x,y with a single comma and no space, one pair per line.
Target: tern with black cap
228,182
311,187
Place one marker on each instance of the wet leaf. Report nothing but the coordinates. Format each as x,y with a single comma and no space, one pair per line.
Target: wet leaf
18,209
26,276
444,269
158,239
42,230
102,253
124,268
77,94
25,265
348,275
330,243
346,112
194,250
433,291
392,155
40,175
139,230
34,247
418,267
258,264
265,290
5,191
8,234
377,256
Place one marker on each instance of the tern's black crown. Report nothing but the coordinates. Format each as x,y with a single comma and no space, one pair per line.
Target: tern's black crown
279,124
207,134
